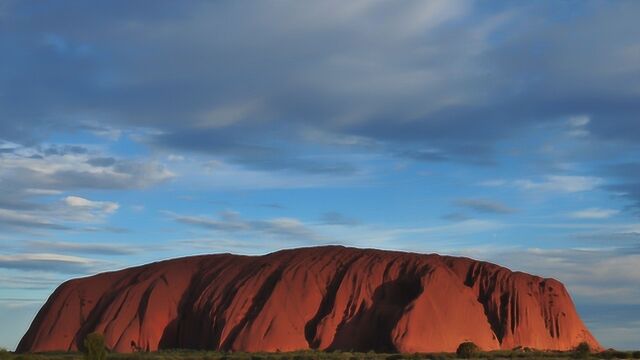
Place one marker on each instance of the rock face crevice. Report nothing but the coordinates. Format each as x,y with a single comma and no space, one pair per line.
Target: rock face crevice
324,298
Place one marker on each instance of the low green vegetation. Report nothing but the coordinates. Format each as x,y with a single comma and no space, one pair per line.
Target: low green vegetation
4,354
320,355
582,351
467,350
94,349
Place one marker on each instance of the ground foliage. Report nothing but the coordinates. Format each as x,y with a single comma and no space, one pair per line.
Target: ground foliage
321,355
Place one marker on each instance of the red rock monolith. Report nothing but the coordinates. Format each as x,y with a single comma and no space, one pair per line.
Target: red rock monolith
312,298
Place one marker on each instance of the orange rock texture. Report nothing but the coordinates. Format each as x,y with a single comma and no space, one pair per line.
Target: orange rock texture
312,298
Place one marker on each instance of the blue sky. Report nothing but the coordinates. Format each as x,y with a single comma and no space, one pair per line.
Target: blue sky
504,131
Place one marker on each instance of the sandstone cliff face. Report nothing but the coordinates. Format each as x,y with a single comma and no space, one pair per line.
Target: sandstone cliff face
321,298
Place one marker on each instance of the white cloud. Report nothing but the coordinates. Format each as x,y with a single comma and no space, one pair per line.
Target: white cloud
579,121
558,183
229,114
48,262
233,222
83,248
28,281
577,125
173,157
60,215
45,257
203,172
561,183
29,169
594,213
485,206
336,139
493,183
27,220
106,206
30,176
79,209
42,192
98,128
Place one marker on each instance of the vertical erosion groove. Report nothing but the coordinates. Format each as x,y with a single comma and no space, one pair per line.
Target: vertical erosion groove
370,327
495,311
257,305
326,305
